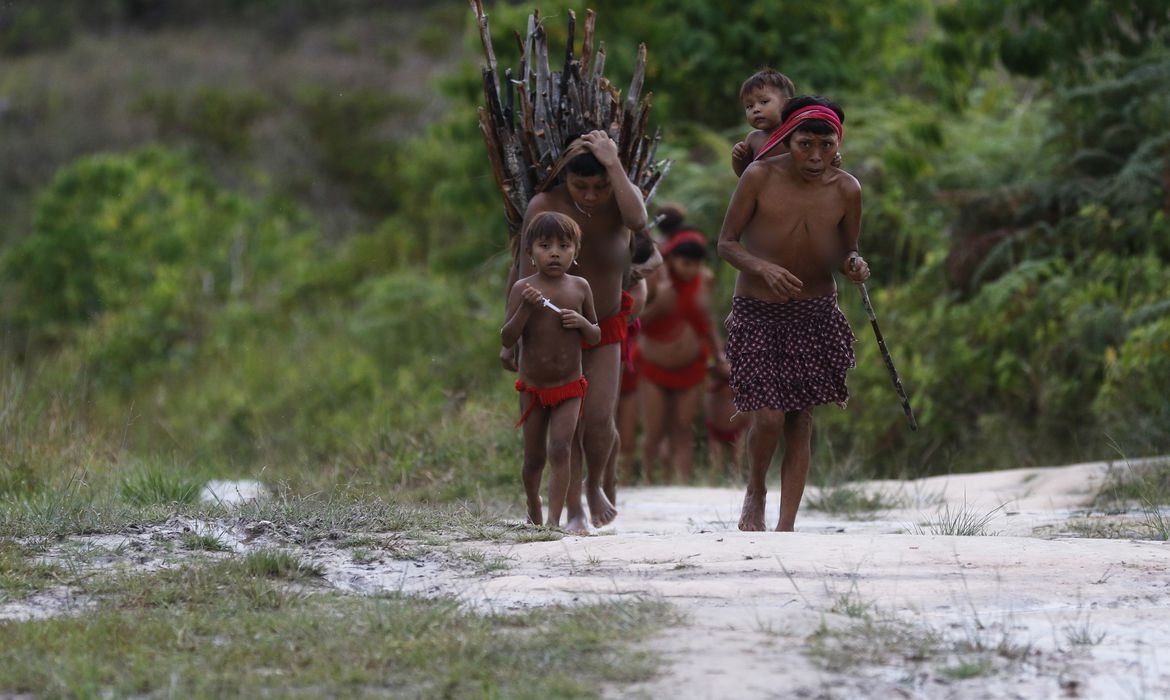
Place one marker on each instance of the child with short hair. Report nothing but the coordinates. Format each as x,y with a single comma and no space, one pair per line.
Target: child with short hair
792,221
764,95
550,313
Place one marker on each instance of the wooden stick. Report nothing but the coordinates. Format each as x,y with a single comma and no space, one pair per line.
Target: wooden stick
886,356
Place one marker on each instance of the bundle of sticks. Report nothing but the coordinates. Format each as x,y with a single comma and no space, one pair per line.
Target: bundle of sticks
525,125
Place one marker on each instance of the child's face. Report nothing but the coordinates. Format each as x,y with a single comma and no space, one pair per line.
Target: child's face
684,269
588,191
812,153
763,106
553,256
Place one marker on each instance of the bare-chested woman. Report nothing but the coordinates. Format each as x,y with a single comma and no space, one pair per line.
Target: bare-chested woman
678,336
793,220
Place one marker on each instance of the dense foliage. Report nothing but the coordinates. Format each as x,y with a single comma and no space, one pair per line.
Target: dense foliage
282,270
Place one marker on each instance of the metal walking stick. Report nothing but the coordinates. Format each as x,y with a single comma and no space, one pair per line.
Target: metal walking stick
886,354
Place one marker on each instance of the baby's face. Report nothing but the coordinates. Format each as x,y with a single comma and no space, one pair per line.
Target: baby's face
763,106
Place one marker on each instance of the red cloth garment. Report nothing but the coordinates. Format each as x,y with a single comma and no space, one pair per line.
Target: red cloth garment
679,378
614,328
684,236
629,358
798,117
686,310
550,396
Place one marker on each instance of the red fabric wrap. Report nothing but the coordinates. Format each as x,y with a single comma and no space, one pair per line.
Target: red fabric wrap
677,379
614,329
686,236
551,395
686,310
629,358
794,120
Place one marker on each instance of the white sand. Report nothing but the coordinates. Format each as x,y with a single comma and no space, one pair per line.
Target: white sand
1055,615
1030,610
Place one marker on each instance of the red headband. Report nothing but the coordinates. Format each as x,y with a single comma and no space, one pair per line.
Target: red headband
687,236
794,120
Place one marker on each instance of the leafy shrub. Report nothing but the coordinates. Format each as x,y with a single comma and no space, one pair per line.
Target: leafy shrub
132,255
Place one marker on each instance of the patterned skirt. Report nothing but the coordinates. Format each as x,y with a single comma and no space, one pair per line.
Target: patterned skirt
788,356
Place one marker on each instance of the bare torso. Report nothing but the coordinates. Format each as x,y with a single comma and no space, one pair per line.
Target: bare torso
682,349
797,225
550,355
605,248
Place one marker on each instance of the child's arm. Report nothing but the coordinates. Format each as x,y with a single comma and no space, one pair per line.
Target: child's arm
741,157
586,322
739,212
523,299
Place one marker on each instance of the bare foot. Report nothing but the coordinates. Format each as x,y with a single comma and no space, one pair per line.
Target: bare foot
535,511
577,526
601,511
751,518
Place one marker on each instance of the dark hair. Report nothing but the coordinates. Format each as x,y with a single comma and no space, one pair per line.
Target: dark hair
584,164
641,249
766,77
691,250
551,224
819,127
672,219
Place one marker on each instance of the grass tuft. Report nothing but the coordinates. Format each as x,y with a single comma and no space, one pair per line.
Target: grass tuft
155,485
962,521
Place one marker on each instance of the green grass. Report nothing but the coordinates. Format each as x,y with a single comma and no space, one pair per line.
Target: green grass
235,628
1128,484
851,501
158,485
961,521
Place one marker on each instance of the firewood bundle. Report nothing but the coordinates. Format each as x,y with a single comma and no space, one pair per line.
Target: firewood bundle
525,126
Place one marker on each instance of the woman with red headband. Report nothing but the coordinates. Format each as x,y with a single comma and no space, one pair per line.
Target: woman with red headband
793,220
677,339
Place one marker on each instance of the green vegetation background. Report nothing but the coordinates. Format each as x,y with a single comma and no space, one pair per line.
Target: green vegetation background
261,239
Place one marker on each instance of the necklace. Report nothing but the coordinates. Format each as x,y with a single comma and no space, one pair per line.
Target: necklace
588,215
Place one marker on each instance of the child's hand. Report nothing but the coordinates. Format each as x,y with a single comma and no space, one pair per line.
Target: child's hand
855,268
740,152
836,162
531,296
572,319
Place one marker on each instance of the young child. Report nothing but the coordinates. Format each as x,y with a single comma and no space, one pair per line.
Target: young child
764,96
678,336
550,313
792,221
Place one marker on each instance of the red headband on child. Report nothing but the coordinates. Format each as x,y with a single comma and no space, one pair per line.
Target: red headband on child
804,114
687,236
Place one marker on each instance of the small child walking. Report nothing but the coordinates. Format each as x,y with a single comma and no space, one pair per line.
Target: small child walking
550,313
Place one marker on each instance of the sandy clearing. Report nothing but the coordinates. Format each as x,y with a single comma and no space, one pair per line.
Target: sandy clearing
1029,612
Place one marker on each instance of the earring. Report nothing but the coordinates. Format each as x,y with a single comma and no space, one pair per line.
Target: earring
532,260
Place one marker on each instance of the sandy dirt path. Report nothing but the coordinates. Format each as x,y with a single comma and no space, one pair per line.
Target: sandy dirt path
866,609
842,608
